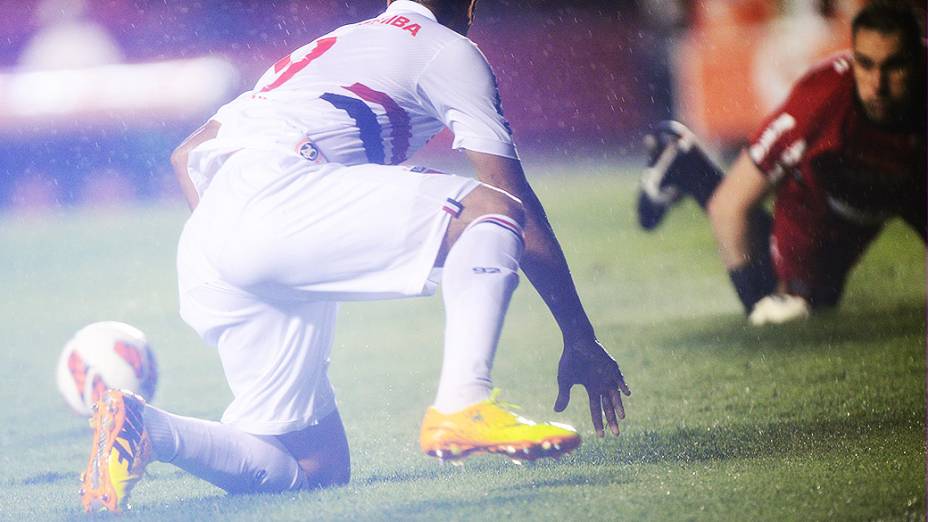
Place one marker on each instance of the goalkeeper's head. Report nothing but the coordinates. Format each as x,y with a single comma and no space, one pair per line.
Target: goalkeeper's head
454,14
889,62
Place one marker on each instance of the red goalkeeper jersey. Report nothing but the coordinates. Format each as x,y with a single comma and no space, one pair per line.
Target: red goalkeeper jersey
822,145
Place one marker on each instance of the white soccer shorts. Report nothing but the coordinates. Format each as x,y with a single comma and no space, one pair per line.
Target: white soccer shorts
272,247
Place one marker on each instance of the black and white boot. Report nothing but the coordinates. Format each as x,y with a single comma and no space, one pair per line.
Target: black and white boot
677,166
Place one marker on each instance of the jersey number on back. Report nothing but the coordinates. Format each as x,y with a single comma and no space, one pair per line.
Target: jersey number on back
286,67
357,109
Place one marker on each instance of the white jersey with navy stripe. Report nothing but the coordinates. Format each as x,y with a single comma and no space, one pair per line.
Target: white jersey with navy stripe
372,92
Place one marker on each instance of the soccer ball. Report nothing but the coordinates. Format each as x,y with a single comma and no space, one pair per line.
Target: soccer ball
105,355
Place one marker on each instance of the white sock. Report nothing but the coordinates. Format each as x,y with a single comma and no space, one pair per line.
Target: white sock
227,457
479,276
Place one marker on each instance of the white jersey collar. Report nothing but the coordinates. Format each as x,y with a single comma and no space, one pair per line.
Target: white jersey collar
408,5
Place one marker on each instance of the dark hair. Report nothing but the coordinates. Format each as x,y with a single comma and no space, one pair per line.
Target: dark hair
443,8
456,14
891,17
445,4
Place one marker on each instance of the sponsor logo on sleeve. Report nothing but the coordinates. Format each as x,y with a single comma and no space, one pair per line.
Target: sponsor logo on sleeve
842,65
779,126
793,154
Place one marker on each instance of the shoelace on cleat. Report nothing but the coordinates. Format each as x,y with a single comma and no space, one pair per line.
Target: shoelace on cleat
507,406
494,398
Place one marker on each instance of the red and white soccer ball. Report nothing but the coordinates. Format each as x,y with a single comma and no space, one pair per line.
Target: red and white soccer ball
103,355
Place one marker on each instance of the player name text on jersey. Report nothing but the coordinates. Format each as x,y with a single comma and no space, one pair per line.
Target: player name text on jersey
395,21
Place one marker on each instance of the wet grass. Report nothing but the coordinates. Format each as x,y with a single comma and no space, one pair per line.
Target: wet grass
819,420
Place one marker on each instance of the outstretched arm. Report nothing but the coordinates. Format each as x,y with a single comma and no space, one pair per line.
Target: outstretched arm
584,360
179,160
742,190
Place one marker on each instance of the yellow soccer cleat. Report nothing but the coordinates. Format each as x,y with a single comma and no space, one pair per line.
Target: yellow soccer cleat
487,427
120,451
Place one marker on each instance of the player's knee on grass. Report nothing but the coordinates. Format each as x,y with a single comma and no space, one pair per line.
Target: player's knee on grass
322,452
327,469
269,469
826,293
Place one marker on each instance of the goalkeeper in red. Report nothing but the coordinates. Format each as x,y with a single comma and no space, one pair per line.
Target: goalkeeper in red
843,154
299,202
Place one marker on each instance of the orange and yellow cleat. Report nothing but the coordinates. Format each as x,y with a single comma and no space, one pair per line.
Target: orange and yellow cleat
487,427
120,451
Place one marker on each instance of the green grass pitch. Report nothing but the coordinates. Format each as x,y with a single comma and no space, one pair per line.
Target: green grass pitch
818,420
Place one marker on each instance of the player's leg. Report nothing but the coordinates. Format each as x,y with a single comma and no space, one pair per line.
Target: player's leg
241,462
813,253
815,249
274,356
841,248
484,245
223,455
272,435
677,166
338,233
321,451
275,359
128,434
480,255
796,233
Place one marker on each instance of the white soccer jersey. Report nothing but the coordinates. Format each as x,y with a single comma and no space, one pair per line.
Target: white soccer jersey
278,236
370,92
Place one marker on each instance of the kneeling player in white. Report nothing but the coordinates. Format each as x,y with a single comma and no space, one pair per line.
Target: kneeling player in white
299,203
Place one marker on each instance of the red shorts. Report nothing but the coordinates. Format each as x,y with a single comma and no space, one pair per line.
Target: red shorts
813,248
